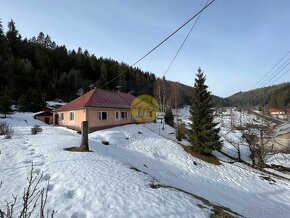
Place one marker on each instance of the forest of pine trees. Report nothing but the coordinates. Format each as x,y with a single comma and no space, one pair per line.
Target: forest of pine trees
37,69
276,96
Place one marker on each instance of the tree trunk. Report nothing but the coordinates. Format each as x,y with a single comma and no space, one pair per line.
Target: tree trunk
260,151
85,136
253,156
239,153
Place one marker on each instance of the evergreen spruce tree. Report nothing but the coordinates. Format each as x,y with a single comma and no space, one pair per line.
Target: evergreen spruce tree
103,76
2,42
5,104
23,103
203,134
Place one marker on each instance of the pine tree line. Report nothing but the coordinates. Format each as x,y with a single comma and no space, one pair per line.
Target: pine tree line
37,69
276,96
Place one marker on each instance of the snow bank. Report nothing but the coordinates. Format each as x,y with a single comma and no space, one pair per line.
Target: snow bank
101,183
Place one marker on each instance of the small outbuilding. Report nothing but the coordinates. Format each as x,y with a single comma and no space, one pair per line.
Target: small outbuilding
46,116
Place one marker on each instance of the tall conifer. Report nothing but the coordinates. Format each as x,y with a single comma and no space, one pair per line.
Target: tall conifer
204,133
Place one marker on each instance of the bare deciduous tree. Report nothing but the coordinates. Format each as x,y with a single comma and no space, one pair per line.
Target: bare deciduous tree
258,137
161,93
261,143
235,143
175,95
32,198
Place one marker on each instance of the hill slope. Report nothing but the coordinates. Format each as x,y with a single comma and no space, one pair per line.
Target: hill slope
104,183
277,96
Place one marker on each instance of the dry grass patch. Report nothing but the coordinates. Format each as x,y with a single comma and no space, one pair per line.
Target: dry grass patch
77,149
207,158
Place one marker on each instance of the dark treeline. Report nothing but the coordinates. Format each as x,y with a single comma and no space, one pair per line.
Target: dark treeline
37,69
276,96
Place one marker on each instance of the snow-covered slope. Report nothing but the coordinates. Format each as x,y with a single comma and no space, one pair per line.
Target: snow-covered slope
102,183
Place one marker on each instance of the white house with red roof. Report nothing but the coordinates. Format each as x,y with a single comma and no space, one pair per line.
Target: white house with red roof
101,108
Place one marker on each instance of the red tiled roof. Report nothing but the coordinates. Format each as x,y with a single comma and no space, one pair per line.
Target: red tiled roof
276,110
100,98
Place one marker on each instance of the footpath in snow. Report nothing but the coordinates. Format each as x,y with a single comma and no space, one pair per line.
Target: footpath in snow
103,183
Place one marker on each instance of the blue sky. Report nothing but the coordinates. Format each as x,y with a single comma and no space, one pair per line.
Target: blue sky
235,42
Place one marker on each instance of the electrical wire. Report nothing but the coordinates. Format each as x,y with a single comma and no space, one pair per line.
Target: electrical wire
281,76
180,47
283,66
168,37
266,75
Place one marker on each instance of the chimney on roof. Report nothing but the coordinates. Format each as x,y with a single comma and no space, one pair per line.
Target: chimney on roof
118,88
92,86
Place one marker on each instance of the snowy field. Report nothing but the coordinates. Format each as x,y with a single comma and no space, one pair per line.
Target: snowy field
102,183
233,137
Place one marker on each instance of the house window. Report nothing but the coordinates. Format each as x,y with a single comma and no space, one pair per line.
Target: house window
103,115
140,112
117,116
61,116
124,114
71,116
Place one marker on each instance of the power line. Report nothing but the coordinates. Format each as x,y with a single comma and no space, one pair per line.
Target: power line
281,75
168,37
276,72
262,79
183,42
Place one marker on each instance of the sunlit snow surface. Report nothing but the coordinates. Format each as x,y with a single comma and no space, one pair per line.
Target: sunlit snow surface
101,183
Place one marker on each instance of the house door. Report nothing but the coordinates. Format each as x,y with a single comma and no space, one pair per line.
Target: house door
55,116
46,120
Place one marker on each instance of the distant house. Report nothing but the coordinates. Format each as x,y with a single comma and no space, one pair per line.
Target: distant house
46,116
280,113
287,111
277,111
101,108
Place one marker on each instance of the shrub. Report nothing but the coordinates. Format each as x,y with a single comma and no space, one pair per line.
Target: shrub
169,117
2,126
9,132
181,132
36,129
33,198
6,130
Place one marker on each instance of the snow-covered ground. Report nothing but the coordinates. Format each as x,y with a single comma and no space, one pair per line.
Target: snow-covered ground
232,138
279,159
182,114
102,183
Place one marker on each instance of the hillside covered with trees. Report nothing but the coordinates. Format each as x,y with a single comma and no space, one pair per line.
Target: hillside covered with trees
276,96
37,69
